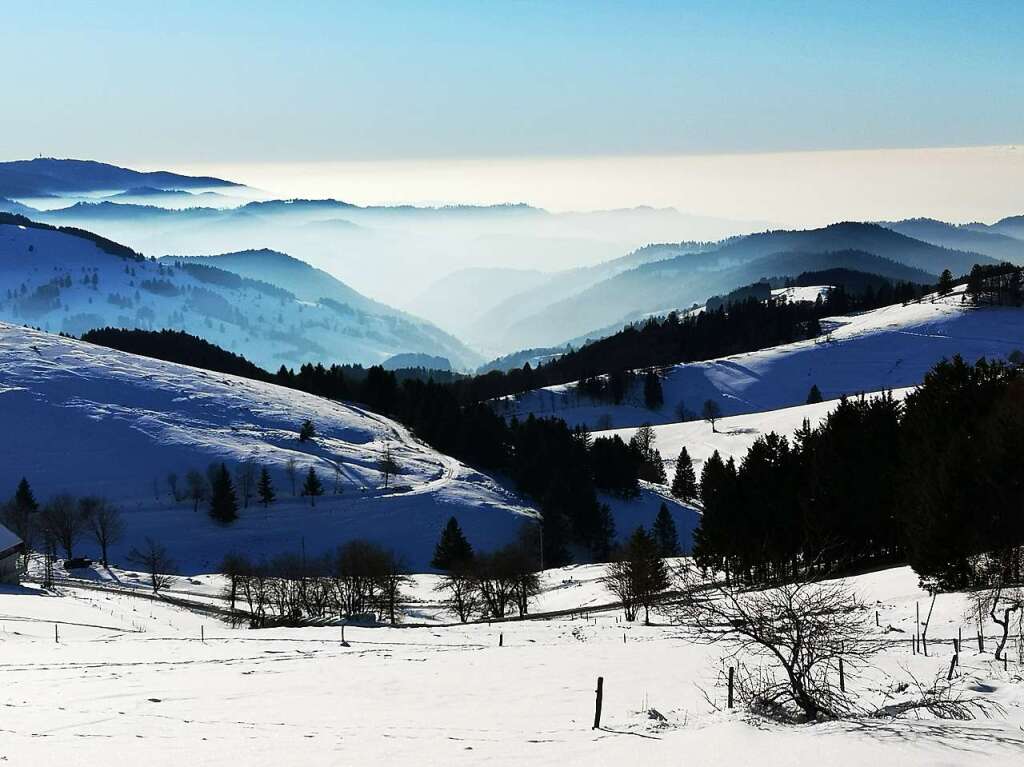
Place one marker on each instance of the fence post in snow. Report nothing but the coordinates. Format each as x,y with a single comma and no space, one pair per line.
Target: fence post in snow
501,640
952,666
56,635
842,677
597,703
732,672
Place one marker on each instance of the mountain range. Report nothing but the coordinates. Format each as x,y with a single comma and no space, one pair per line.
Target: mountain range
72,281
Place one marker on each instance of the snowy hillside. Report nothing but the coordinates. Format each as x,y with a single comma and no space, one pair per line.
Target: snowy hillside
733,435
87,420
887,348
65,283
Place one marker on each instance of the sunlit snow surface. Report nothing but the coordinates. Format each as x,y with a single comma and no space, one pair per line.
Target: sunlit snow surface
130,682
888,348
84,419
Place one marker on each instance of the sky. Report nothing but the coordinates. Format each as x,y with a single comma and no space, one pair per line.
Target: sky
479,85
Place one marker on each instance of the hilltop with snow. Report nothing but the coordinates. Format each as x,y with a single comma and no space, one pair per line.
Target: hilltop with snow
87,420
888,348
71,282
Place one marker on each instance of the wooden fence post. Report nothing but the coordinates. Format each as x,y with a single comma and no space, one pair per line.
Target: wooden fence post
56,634
842,677
731,673
501,640
597,703
952,666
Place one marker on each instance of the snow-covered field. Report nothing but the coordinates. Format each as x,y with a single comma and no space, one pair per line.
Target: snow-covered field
732,436
87,420
131,682
888,348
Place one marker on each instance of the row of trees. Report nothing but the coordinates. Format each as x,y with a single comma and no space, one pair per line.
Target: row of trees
361,580
936,480
60,524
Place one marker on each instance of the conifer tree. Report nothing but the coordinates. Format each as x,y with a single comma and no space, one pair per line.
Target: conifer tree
24,500
307,431
312,486
653,396
814,395
223,501
604,534
265,489
945,282
452,550
665,535
684,483
652,467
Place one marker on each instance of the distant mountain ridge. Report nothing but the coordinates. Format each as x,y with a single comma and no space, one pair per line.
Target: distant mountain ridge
45,176
72,281
676,282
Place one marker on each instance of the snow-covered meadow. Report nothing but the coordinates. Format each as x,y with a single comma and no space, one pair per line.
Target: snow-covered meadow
130,680
888,348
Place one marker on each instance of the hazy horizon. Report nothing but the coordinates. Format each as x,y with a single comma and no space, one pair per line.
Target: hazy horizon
798,189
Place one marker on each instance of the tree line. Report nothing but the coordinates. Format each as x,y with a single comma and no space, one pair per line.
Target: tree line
935,480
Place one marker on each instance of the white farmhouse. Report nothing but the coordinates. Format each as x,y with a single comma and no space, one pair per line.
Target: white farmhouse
11,547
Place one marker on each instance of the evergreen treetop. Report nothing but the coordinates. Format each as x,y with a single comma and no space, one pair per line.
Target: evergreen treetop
684,483
453,549
223,500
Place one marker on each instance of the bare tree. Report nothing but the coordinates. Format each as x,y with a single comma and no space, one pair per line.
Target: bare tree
158,565
711,412
639,577
64,521
387,465
195,484
291,470
462,594
172,483
1004,593
245,480
105,524
787,642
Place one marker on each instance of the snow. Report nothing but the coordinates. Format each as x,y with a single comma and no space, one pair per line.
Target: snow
84,419
888,348
130,681
809,293
733,435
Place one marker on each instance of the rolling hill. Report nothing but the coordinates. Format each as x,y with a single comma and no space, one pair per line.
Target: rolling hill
65,281
683,279
92,420
888,348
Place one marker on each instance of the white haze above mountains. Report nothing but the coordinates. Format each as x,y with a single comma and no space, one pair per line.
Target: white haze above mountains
488,281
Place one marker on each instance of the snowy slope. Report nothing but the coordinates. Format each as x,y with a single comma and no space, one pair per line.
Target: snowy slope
892,347
130,682
733,435
84,419
47,280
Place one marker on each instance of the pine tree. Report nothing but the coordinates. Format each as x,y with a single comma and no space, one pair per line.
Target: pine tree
265,489
814,395
684,483
452,550
945,282
24,500
604,534
652,467
223,501
653,396
665,534
312,486
307,432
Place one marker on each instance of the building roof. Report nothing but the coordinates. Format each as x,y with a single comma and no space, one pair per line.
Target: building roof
9,542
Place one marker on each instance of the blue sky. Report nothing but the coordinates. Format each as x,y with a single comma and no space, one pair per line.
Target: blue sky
273,81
